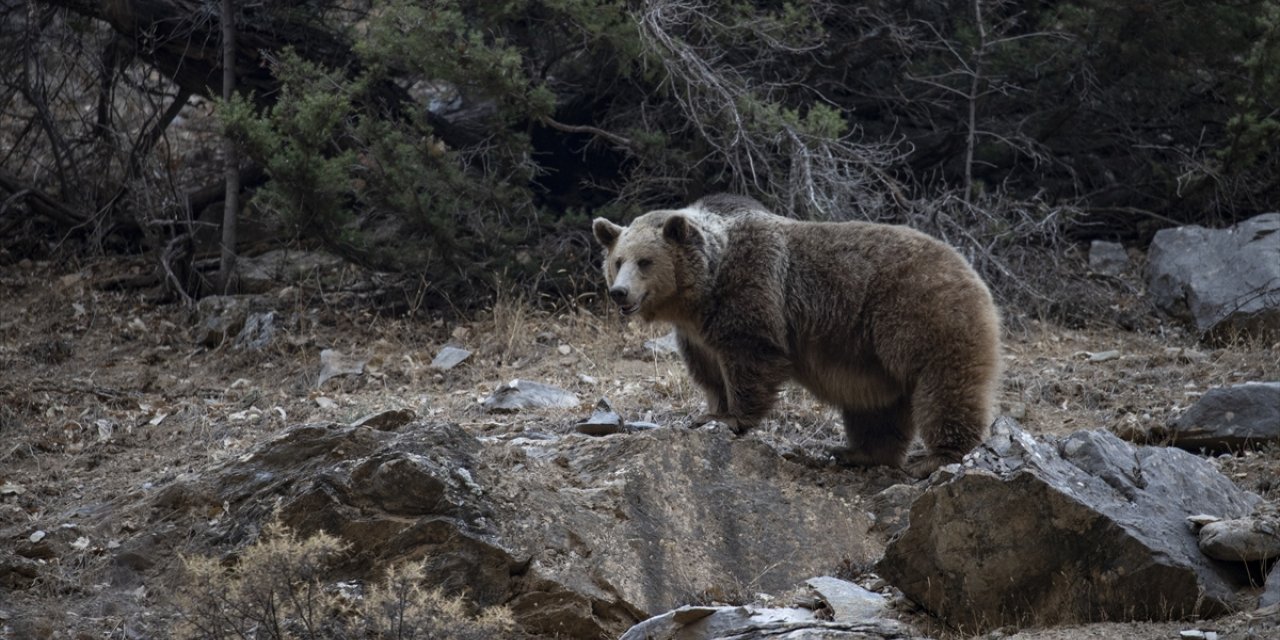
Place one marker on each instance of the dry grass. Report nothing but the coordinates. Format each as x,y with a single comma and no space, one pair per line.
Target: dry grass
276,590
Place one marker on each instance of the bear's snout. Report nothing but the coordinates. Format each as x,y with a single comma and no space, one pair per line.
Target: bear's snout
619,294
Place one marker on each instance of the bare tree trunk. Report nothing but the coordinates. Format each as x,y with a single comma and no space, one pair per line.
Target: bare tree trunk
975,85
232,203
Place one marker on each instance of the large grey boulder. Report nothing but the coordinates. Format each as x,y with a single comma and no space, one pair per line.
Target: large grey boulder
658,517
1045,531
1229,418
1223,281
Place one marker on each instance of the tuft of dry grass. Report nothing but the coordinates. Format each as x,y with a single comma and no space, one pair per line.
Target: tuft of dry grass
276,590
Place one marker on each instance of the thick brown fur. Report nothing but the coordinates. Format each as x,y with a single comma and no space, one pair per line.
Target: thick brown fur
891,326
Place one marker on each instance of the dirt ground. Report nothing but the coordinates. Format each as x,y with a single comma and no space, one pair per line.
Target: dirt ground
105,397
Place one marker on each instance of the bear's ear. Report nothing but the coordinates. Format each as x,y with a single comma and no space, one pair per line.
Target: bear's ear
606,232
679,230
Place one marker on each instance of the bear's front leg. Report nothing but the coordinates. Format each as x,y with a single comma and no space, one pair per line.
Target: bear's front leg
752,381
704,368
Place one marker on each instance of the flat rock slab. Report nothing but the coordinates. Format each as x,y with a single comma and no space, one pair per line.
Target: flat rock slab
761,623
448,358
1229,418
848,601
1223,281
519,395
1044,531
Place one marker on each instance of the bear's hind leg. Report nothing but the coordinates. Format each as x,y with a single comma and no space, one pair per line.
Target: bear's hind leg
876,436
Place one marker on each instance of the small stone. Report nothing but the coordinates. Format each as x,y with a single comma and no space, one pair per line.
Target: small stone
564,349
1186,356
1271,592
524,394
641,426
1191,634
1201,519
37,536
1015,410
334,363
1133,430
588,380
603,421
1241,540
258,330
448,358
664,346
326,403
591,429
1103,356
1107,258
388,420
220,319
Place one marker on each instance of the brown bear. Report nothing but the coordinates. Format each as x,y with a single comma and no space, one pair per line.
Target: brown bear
888,324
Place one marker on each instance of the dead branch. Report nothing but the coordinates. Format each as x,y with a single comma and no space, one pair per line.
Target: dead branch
616,139
40,202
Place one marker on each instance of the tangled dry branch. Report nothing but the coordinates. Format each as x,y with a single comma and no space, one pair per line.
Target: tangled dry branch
736,109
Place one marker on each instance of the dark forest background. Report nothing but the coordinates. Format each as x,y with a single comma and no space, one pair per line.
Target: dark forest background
466,143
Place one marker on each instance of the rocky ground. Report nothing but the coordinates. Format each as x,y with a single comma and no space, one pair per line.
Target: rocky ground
125,422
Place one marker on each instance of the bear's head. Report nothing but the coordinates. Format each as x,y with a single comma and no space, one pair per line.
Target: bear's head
652,266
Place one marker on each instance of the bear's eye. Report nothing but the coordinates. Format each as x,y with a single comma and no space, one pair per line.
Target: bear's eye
617,264
644,263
